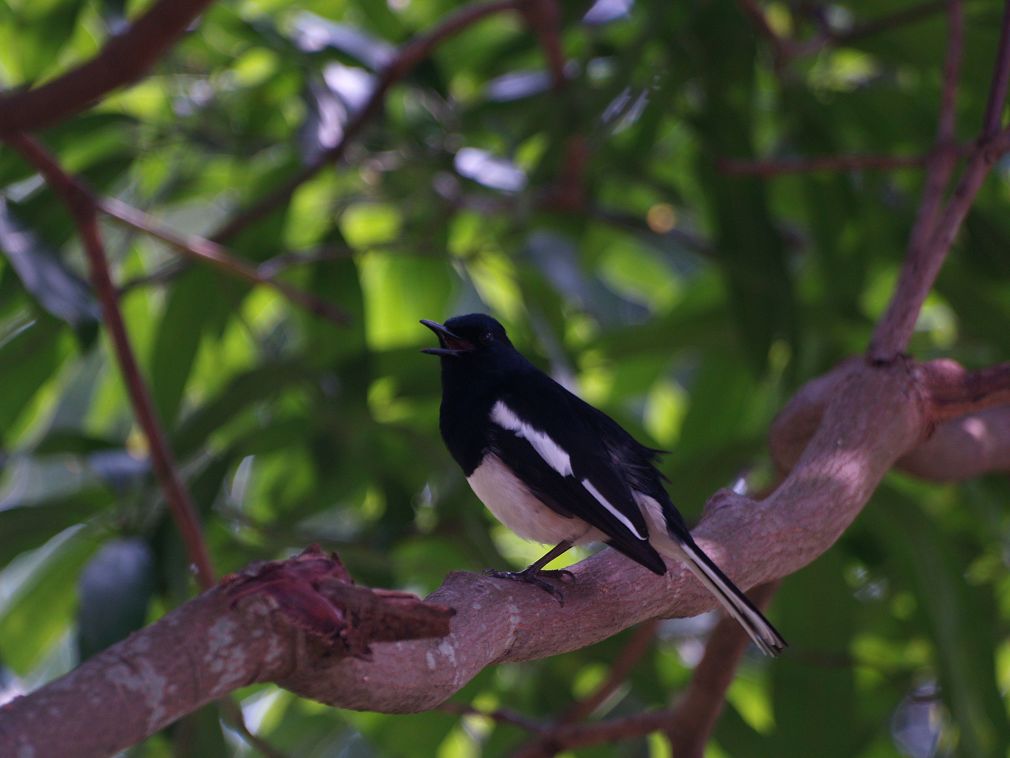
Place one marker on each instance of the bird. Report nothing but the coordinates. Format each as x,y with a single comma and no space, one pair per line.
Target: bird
556,470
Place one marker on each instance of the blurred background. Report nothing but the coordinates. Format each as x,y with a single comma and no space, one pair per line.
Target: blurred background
606,218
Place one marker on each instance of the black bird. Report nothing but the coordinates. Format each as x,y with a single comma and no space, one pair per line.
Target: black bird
554,469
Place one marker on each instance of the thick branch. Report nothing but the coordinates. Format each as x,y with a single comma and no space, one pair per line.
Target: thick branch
82,206
966,417
953,391
754,542
261,626
872,415
976,444
124,59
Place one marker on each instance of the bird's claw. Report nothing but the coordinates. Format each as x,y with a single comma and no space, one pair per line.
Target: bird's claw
536,578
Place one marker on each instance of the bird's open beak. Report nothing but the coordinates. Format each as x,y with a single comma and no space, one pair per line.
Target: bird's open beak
451,344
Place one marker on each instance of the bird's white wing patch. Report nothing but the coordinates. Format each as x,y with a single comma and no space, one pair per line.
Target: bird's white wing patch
547,448
607,504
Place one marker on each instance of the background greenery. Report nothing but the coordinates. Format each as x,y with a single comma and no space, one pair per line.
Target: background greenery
686,302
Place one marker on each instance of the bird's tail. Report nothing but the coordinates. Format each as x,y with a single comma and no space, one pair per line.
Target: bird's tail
729,595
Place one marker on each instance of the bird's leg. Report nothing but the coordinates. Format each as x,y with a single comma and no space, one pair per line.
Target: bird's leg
534,573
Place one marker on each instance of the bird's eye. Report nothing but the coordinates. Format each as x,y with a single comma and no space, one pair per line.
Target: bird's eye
486,338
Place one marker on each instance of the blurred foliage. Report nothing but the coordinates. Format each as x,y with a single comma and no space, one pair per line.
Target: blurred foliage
688,303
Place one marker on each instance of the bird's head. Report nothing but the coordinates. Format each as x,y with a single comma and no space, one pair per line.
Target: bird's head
475,336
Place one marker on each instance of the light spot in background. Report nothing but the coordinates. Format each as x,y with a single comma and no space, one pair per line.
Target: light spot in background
661,218
605,11
489,170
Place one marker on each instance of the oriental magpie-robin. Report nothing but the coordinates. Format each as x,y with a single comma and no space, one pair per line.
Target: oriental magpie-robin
554,469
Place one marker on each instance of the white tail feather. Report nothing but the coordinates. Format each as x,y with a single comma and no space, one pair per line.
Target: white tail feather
732,599
728,594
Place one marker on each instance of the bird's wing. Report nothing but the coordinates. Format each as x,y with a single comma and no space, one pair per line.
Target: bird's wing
553,447
637,464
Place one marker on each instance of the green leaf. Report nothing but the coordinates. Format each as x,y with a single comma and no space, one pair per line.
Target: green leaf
186,316
37,607
244,391
43,29
30,355
30,525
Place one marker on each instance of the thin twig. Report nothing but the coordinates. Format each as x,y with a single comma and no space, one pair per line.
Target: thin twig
232,712
639,644
941,164
543,17
410,55
83,207
998,88
924,260
572,736
499,715
123,59
820,163
698,709
210,252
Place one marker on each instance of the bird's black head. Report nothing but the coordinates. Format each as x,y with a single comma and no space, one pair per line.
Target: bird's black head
475,335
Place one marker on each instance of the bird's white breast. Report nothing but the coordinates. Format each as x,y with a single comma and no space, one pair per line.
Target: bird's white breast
516,507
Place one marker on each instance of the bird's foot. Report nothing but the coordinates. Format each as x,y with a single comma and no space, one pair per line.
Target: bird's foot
536,577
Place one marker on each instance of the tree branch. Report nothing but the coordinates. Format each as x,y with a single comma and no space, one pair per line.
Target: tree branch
780,166
218,256
124,59
927,251
871,416
262,625
549,743
409,56
941,164
962,419
543,17
976,444
953,391
697,710
80,202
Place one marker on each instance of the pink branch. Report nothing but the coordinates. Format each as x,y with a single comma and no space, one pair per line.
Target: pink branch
263,625
929,247
953,392
869,417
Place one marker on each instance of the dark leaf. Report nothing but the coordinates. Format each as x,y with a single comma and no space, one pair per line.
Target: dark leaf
58,289
114,592
26,526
